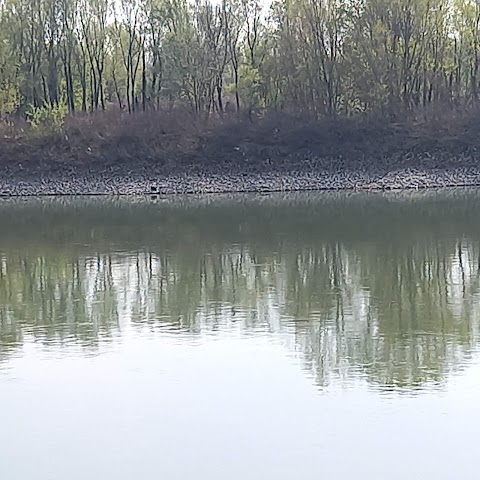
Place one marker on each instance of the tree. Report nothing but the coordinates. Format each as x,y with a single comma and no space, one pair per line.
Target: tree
317,57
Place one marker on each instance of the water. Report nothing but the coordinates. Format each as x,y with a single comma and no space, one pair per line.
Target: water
298,336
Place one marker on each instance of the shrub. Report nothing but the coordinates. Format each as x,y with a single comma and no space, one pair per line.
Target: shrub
47,119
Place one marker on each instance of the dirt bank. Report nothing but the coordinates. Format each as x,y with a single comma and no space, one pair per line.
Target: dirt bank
150,153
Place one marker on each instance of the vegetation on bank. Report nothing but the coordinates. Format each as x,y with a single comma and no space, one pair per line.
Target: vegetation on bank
317,58
170,140
103,81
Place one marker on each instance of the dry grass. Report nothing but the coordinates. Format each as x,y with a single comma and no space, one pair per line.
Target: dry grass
173,137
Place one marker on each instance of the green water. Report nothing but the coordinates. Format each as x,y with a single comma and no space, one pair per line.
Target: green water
276,337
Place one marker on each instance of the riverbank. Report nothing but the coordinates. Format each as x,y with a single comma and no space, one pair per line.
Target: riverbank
151,154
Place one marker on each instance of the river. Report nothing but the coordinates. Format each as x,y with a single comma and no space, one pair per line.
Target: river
307,336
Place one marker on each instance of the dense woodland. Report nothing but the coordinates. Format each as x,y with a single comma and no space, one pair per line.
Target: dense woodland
315,57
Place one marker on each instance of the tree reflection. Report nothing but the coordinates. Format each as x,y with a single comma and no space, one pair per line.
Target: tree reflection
399,312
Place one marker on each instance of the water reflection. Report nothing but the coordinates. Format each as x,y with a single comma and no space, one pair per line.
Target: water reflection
358,286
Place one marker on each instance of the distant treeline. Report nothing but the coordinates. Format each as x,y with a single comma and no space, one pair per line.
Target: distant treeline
315,57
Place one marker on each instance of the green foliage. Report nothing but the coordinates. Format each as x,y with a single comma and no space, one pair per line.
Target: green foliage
250,86
323,58
47,119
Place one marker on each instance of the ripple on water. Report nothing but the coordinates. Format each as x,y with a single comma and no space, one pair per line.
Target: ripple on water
283,333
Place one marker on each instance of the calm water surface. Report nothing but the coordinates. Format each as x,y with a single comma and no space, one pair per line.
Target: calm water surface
330,336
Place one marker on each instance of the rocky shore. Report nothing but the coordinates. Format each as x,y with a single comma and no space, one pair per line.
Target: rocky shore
312,176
